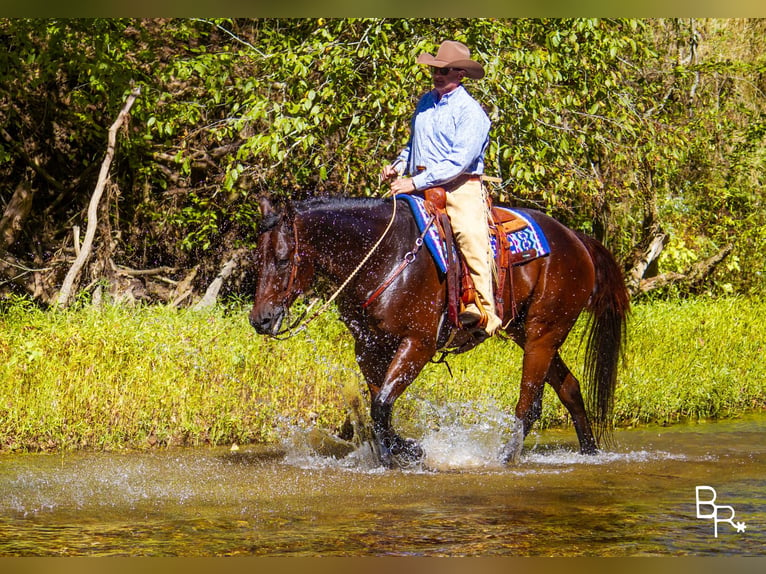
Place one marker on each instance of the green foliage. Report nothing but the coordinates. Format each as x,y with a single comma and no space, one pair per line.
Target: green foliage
693,359
615,126
134,378
591,122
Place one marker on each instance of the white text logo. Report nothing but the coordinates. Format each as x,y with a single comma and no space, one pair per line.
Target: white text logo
709,502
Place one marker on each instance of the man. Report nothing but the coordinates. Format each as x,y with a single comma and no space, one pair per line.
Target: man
449,134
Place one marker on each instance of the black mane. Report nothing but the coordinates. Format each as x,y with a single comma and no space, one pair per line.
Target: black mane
325,204
336,203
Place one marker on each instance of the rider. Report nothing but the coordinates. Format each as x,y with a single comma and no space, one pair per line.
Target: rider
449,134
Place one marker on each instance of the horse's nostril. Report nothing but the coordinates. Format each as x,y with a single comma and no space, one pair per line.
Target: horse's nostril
260,324
266,321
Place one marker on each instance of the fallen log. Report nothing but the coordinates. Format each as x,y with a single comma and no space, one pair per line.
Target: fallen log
211,294
694,277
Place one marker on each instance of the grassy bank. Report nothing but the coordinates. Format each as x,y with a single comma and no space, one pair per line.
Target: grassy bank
120,377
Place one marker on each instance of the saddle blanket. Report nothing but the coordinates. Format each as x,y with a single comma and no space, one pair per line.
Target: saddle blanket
526,240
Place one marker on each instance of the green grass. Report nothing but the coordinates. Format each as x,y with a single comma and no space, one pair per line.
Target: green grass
122,377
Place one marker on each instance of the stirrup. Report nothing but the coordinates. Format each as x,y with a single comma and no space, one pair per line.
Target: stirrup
470,320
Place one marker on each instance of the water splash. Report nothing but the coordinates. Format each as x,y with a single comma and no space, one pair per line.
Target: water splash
458,448
457,437
315,448
465,437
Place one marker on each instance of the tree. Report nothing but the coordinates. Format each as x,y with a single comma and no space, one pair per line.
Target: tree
645,133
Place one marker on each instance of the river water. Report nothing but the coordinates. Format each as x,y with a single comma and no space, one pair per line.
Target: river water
637,499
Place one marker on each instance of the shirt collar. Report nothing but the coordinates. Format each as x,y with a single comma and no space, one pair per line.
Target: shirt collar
448,95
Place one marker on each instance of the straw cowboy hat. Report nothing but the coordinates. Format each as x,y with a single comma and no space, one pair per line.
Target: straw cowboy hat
453,55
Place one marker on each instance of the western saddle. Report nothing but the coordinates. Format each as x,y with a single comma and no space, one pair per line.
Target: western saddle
460,286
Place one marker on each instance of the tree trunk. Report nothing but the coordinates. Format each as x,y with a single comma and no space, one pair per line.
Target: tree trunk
644,261
694,277
211,295
16,212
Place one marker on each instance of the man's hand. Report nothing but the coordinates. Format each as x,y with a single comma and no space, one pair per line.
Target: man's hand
389,172
402,185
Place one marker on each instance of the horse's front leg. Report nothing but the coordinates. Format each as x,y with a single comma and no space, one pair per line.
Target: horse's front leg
408,360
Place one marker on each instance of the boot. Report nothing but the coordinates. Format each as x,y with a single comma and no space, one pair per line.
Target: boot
481,324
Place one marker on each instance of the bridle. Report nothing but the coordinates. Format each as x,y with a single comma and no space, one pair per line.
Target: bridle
295,262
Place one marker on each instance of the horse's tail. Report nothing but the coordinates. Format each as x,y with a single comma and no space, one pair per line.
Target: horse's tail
609,306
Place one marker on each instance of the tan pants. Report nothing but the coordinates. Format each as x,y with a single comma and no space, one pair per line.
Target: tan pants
468,213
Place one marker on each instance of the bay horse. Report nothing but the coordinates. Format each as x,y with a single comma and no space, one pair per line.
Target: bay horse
405,326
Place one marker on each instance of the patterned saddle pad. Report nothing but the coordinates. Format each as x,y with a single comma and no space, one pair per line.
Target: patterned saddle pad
527,243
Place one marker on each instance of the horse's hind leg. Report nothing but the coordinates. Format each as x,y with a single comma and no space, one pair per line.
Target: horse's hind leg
537,361
522,425
568,389
543,363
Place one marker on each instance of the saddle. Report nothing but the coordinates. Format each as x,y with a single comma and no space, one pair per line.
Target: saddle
460,287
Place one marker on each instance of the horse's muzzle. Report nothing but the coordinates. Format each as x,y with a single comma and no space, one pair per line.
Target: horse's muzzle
267,321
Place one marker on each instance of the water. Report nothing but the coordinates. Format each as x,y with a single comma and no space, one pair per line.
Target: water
638,499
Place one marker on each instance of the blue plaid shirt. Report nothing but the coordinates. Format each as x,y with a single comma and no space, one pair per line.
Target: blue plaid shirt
448,138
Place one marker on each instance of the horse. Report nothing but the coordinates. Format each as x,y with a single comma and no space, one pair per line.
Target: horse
355,243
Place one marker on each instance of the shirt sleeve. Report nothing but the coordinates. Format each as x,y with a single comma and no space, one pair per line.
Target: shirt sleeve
400,163
465,154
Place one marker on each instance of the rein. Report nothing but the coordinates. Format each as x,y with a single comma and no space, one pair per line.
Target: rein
296,327
409,257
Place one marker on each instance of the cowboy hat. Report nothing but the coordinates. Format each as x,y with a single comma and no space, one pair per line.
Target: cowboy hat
453,55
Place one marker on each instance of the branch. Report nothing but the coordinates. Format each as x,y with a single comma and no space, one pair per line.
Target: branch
649,255
13,270
184,288
234,36
103,177
694,277
660,281
211,295
702,269
122,270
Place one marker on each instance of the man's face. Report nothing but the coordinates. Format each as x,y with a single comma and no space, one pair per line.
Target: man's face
446,79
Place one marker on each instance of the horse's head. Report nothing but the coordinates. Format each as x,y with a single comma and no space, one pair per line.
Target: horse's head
281,272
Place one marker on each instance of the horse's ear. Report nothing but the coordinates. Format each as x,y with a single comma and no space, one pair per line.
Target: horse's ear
289,210
267,209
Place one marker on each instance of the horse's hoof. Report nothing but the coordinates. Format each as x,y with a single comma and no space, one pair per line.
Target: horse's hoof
407,452
511,453
397,452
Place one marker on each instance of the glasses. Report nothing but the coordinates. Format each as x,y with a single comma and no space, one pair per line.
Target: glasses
443,71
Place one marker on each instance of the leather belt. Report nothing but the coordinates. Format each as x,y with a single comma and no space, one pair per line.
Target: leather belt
460,180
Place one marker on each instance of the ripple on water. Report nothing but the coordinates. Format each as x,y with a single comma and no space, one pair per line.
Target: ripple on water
637,498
